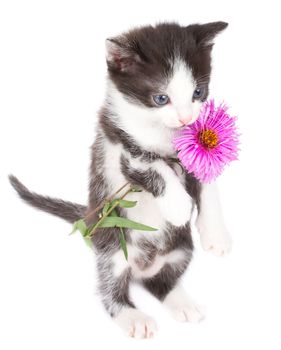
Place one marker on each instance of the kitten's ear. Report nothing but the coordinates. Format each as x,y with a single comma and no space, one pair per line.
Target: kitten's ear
205,33
120,56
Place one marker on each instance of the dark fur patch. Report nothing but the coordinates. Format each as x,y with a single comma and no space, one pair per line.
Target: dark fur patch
149,179
113,291
178,238
63,209
98,187
193,188
145,57
163,282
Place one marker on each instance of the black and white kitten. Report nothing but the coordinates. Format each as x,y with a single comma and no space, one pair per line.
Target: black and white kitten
158,77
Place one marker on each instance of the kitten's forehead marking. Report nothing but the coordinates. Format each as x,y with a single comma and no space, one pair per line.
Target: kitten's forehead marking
181,85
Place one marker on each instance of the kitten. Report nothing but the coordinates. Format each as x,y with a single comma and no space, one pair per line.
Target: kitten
158,78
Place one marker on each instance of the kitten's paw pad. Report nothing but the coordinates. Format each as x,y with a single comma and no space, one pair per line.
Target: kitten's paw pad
217,241
188,313
136,324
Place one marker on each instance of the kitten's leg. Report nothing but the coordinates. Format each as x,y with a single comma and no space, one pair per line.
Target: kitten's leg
114,291
165,287
163,183
210,224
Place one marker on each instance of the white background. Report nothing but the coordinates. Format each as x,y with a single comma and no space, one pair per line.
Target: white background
52,74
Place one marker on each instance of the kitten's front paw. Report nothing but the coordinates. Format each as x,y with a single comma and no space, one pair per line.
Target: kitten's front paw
217,240
176,209
136,324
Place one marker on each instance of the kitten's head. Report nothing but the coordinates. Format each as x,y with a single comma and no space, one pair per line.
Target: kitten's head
163,70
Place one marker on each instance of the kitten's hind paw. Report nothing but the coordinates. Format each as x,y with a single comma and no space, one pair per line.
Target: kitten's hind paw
136,324
187,313
182,308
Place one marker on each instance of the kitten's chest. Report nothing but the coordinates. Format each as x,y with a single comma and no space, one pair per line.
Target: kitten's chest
146,211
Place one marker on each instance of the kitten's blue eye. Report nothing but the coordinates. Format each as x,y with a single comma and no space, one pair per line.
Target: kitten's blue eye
198,93
161,100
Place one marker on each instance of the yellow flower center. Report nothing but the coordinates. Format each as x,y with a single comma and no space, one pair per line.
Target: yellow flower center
208,138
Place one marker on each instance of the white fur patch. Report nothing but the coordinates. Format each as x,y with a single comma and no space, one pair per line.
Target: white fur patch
136,324
120,264
173,257
112,168
181,307
210,224
134,253
180,90
175,204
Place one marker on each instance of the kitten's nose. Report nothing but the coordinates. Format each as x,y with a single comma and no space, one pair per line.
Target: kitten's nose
185,120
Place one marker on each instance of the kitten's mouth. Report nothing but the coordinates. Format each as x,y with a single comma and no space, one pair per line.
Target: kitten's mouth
183,126
187,125
177,128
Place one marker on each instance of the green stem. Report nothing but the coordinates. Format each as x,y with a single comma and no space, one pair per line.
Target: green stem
91,214
93,230
123,243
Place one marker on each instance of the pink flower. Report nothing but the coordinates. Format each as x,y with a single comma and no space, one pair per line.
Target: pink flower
207,145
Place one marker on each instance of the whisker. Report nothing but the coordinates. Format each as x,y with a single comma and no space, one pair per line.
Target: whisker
204,76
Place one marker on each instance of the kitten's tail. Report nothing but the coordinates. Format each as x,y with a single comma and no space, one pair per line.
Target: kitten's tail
65,210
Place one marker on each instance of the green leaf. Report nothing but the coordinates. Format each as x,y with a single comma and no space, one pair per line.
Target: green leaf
88,241
114,202
89,230
106,208
126,204
136,189
123,243
74,228
80,226
112,221
113,213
